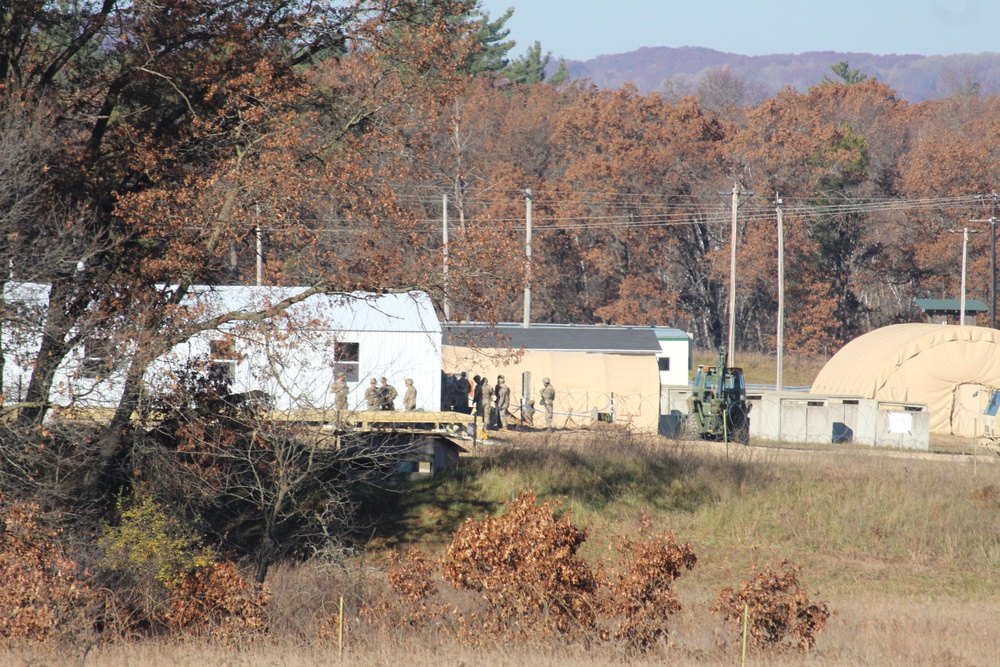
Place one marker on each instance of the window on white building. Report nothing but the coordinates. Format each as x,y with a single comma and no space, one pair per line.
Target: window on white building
96,363
222,363
347,360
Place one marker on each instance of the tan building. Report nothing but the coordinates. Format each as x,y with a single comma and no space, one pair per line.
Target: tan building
605,372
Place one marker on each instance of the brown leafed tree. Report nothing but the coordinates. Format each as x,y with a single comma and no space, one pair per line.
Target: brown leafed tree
185,125
633,168
831,151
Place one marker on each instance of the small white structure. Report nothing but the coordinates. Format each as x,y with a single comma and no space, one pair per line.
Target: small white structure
293,356
798,417
674,360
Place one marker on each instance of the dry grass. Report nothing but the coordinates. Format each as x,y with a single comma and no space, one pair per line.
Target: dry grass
896,544
867,630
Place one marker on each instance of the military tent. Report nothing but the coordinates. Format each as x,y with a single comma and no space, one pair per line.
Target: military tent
954,370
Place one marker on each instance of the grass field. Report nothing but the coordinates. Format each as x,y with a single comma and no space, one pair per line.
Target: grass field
905,549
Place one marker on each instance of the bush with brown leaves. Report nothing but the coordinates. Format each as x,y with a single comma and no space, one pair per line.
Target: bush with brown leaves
217,601
525,566
40,592
639,595
532,584
779,610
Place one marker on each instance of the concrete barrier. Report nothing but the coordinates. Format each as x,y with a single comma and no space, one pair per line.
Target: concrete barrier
808,418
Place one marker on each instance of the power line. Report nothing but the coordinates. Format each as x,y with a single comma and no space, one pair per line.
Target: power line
686,217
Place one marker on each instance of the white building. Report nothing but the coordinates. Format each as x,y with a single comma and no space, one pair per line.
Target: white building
674,359
293,357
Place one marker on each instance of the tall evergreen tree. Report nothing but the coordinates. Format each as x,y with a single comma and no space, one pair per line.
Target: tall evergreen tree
530,68
847,76
491,38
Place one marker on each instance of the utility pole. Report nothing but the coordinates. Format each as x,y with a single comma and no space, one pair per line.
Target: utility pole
993,257
444,232
260,248
527,258
260,257
965,231
732,275
993,261
780,343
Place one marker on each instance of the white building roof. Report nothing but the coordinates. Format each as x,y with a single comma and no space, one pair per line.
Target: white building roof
356,311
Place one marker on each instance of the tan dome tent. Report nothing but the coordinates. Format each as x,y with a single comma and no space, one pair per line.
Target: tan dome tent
954,370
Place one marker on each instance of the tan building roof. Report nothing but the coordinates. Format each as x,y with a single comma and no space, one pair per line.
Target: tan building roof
952,369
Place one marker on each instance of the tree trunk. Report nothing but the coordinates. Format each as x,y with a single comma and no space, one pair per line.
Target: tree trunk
263,561
54,348
115,436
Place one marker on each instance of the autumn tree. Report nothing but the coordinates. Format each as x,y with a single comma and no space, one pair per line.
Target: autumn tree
954,159
728,94
489,146
194,123
633,170
839,146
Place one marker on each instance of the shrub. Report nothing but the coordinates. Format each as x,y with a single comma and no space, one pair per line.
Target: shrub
40,592
778,609
152,544
413,582
142,556
167,579
525,566
639,595
218,601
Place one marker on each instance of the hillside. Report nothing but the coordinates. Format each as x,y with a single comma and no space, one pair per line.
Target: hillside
914,77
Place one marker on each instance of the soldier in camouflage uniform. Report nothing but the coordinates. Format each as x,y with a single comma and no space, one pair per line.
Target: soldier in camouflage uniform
388,395
503,401
339,390
373,396
410,396
548,393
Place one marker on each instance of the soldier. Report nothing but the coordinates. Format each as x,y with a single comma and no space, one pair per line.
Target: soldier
528,412
503,401
373,396
477,395
486,394
388,395
462,389
548,393
410,395
339,390
447,392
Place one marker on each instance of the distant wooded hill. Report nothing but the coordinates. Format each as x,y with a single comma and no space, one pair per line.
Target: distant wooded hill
914,77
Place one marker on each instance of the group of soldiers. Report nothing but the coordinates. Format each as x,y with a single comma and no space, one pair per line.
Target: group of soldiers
492,403
377,397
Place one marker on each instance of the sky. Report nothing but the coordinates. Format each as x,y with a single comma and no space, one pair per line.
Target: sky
584,29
